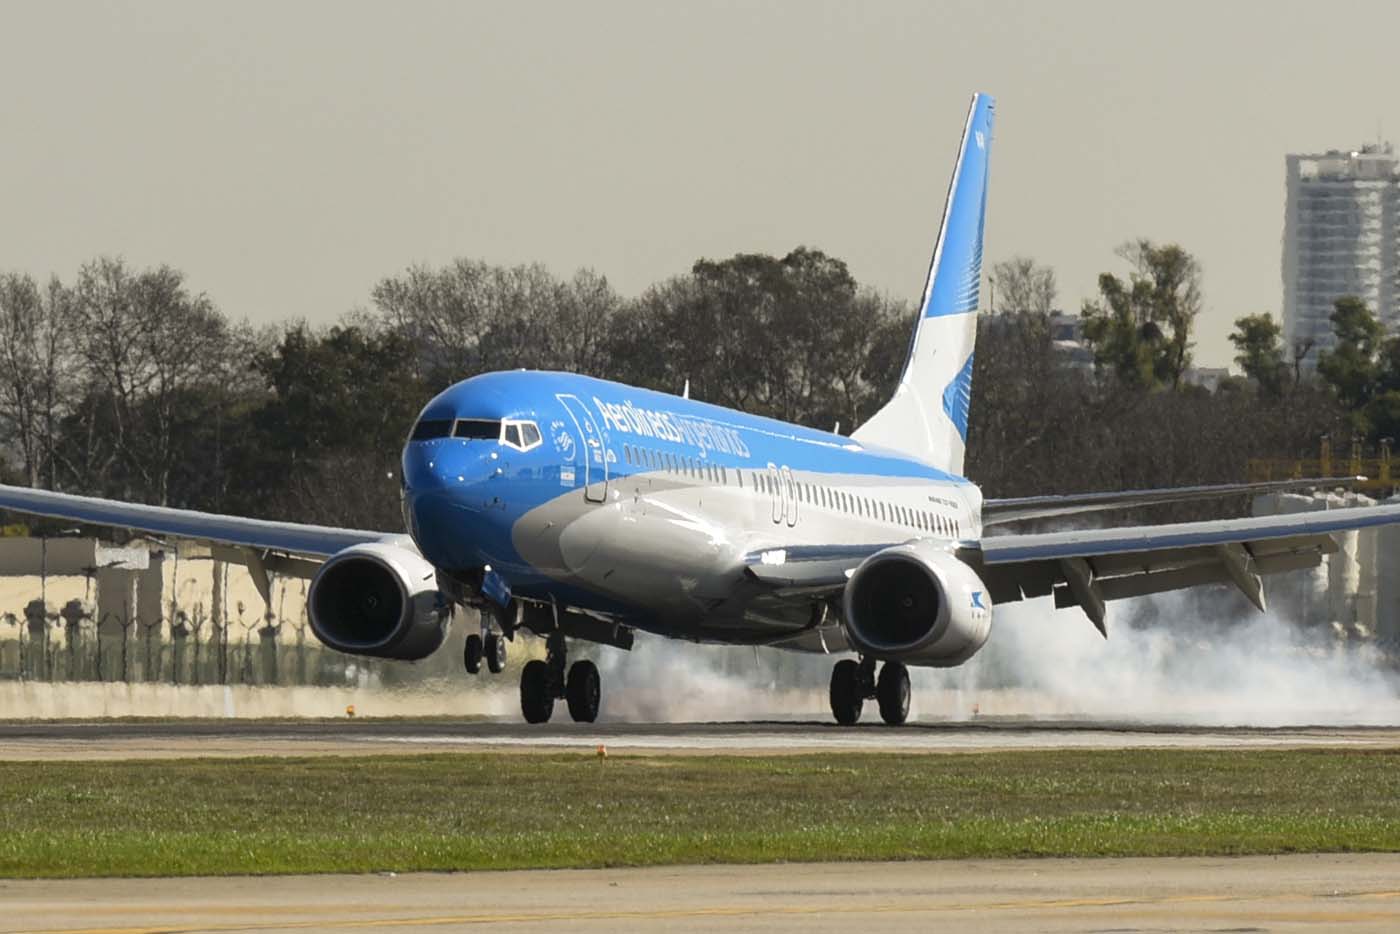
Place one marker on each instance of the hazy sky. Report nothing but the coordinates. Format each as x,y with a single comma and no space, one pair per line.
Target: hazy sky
287,155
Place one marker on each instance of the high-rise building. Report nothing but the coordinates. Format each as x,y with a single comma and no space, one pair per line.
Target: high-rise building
1341,236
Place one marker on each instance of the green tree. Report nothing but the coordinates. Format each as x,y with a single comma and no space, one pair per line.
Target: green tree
1351,367
1259,352
793,338
341,404
1140,329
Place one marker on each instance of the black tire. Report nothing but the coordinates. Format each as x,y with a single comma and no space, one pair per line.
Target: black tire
584,691
847,699
471,654
892,691
536,698
496,653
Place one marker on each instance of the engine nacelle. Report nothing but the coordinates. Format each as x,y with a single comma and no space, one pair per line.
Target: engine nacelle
378,599
918,604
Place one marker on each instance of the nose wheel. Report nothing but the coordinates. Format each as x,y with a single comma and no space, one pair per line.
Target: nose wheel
495,649
854,682
542,682
490,648
472,654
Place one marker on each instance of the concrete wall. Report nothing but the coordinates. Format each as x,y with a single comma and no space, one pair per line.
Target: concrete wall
1355,591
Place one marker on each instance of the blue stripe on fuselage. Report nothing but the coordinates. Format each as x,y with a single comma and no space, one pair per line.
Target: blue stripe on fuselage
534,394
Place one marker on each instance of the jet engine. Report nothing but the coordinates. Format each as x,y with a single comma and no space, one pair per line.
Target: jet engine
917,603
378,599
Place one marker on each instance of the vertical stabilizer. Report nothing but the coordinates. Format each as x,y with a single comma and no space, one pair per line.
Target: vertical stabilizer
928,415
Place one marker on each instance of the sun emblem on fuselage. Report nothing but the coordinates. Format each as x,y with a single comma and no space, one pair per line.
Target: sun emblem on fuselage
563,441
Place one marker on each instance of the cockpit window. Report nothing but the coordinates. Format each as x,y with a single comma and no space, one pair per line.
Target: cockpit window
479,429
429,428
521,435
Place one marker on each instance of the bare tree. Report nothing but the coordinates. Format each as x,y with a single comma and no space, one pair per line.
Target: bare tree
36,370
1022,286
147,344
471,316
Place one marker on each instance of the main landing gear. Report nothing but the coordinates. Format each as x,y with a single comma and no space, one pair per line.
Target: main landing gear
544,682
852,682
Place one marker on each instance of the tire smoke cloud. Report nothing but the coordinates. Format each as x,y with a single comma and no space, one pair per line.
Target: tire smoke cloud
1173,659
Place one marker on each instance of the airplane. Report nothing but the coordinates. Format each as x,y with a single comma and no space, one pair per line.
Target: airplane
578,509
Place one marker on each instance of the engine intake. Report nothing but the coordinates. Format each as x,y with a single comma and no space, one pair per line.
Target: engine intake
378,599
919,604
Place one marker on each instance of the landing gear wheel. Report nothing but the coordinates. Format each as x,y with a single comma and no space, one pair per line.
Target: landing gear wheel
471,654
892,691
536,694
847,698
584,691
496,653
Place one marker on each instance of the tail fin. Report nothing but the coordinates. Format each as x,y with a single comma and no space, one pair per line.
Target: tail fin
928,415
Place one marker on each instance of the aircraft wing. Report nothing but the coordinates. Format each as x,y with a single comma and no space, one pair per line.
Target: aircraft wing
1088,568
1000,511
292,539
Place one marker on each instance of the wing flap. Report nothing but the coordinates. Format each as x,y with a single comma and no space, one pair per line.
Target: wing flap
1089,568
1018,509
1128,543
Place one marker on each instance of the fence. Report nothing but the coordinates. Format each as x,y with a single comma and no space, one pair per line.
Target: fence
40,644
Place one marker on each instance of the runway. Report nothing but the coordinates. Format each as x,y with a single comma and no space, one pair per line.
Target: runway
1357,892
242,738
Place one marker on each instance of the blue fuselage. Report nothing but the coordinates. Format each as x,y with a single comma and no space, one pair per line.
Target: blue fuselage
568,487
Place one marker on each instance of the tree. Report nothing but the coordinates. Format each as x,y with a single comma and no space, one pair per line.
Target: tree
36,370
793,338
1259,352
340,405
1020,286
470,316
1141,328
147,347
1351,367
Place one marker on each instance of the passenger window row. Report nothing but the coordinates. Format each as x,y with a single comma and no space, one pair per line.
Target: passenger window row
692,467
811,493
840,501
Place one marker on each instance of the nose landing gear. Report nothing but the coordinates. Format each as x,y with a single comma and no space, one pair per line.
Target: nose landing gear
490,646
544,682
853,682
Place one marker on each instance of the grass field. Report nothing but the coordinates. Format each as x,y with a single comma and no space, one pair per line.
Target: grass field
179,817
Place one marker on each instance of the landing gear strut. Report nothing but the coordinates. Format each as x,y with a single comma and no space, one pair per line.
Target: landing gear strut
544,682
853,682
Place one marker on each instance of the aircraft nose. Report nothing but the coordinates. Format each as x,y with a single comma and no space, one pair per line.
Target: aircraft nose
444,497
424,467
